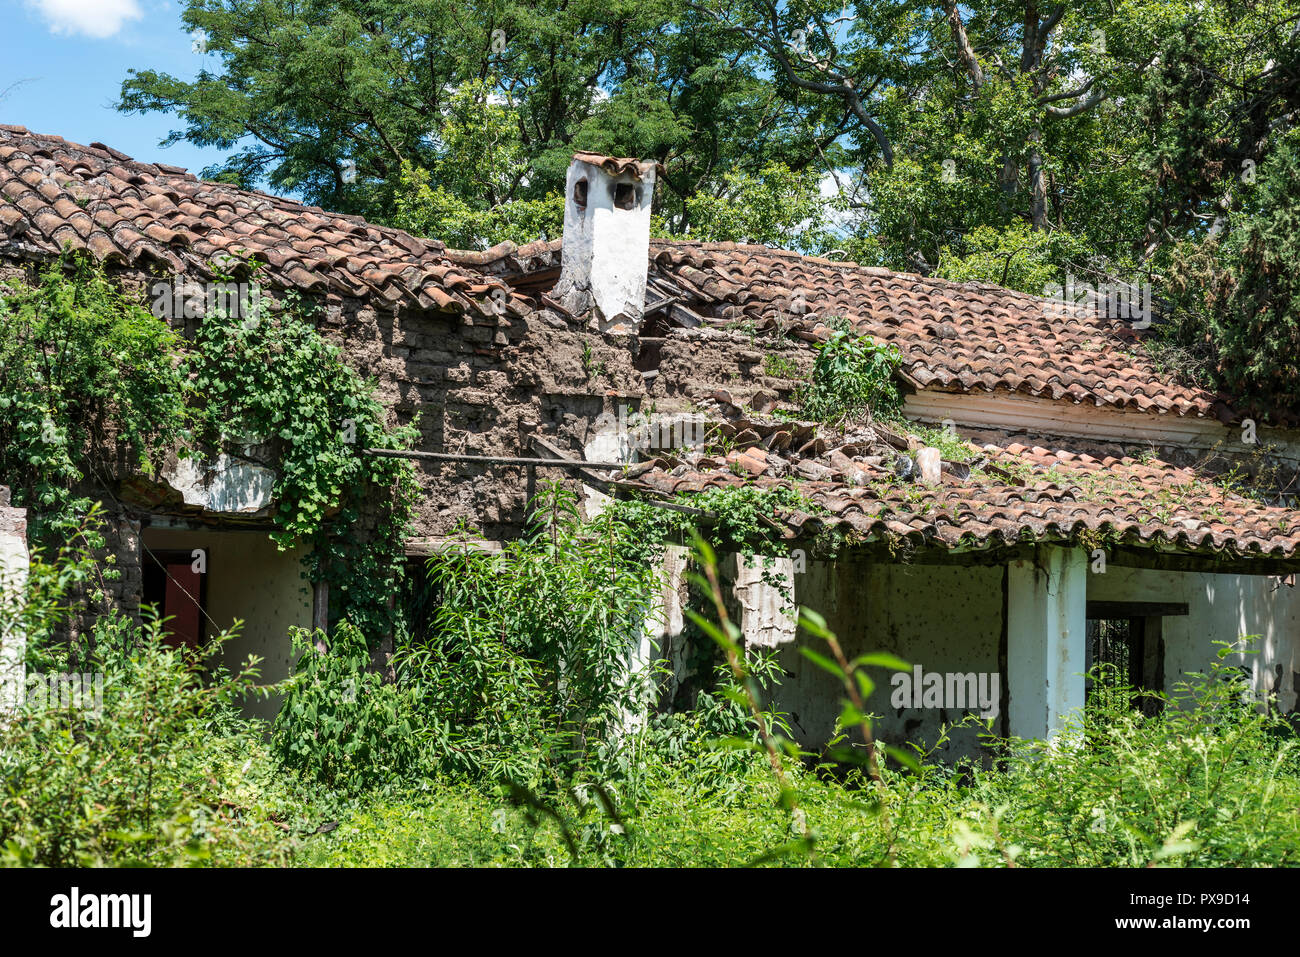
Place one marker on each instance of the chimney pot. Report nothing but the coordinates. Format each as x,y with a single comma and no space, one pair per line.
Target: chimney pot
606,246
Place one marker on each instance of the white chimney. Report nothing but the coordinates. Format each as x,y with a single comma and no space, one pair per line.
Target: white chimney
606,239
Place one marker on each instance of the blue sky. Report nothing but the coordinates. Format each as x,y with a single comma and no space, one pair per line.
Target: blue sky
63,62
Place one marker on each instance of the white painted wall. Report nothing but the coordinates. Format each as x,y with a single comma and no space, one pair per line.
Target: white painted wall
1220,608
943,618
13,580
228,485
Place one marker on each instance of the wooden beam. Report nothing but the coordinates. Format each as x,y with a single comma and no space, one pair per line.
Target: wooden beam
320,611
1135,609
1130,557
424,547
561,463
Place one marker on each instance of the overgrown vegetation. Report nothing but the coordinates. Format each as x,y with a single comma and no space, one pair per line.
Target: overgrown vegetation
742,518
85,370
142,764
507,740
89,378
529,663
272,378
852,376
1239,316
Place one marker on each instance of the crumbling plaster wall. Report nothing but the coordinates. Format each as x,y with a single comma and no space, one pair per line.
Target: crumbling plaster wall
691,363
1220,608
13,580
942,618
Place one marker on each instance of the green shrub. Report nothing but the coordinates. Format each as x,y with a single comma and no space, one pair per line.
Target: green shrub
1210,781
853,376
341,723
133,781
779,366
526,670
83,368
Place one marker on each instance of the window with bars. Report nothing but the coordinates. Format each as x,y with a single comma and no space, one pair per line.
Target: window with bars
1124,649
1114,649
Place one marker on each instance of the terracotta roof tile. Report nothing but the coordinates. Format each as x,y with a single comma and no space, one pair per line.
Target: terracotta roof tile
97,199
967,337
958,336
617,165
1067,498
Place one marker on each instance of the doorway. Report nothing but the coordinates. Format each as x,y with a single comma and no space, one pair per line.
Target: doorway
174,585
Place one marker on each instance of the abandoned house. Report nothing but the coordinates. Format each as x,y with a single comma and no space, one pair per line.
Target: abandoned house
1087,523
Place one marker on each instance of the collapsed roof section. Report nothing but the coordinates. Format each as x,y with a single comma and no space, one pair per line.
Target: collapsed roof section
958,337
867,488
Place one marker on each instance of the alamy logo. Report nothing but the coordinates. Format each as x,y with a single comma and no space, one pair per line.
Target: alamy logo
74,910
1108,300
955,691
75,692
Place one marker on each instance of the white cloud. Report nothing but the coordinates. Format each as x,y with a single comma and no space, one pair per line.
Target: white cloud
93,18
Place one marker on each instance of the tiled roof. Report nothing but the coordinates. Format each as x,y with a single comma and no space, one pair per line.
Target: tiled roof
965,337
1018,494
57,194
960,337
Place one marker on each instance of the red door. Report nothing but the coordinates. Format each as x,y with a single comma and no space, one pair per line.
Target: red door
181,606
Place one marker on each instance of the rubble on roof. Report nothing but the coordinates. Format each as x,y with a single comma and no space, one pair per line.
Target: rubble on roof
867,485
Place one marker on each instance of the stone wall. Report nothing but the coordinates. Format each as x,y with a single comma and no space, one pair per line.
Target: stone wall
485,385
690,363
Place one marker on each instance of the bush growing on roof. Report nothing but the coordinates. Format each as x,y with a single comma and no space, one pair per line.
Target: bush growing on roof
853,377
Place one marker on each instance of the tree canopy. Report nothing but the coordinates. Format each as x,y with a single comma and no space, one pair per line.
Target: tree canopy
1008,141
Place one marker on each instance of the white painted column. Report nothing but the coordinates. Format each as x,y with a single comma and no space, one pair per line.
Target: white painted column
13,579
1046,632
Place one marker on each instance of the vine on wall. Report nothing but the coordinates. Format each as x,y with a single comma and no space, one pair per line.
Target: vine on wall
90,380
273,378
85,371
